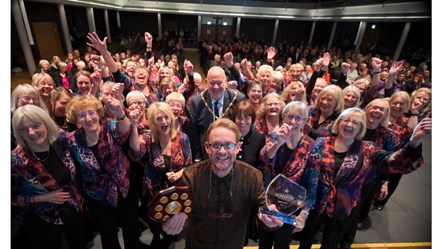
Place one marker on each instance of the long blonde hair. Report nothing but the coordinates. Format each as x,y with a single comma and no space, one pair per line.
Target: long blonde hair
152,115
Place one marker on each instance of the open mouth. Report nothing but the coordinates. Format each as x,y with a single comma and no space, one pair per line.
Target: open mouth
223,158
164,128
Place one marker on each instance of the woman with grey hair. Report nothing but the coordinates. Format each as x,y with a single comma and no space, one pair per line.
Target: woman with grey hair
24,94
345,163
45,199
286,153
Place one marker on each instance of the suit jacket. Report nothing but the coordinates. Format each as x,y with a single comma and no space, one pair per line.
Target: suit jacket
200,118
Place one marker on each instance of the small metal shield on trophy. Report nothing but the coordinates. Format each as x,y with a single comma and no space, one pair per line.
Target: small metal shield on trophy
287,196
168,202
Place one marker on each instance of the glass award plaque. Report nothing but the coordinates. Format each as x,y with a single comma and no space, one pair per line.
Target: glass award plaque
287,196
168,202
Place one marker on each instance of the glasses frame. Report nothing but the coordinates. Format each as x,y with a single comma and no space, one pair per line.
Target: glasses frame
225,145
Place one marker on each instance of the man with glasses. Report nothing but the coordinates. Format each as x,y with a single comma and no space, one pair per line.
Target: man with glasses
206,107
225,191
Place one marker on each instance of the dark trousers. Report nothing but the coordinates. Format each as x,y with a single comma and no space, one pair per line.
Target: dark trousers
392,185
279,238
333,233
39,234
108,219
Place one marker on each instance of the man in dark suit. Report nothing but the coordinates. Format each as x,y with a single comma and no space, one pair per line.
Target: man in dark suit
215,102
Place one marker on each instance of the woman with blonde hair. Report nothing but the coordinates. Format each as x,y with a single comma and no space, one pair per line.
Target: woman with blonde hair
352,96
295,91
45,196
164,153
421,103
402,122
344,163
328,105
268,116
45,84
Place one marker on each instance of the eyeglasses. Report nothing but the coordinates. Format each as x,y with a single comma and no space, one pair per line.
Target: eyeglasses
352,122
227,146
28,99
255,91
298,118
83,115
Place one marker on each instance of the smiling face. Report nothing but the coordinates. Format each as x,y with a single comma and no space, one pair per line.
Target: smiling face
83,84
376,112
422,97
255,94
162,122
88,119
45,87
243,121
265,77
273,107
319,86
34,134
216,81
350,126
177,108
221,160
296,118
398,106
350,99
59,106
327,104
141,76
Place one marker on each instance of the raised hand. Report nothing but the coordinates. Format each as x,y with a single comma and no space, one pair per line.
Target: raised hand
97,60
189,68
317,65
117,90
397,65
282,133
422,130
271,52
114,107
95,42
148,38
228,58
326,60
244,63
134,113
376,63
96,82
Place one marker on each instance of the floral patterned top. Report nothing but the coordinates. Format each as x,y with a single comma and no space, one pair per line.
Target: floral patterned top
339,193
156,164
295,168
102,178
30,177
314,130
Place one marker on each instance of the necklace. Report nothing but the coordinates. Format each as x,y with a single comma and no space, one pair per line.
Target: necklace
210,109
44,159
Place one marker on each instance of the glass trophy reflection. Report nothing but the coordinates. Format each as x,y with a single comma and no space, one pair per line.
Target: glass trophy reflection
287,196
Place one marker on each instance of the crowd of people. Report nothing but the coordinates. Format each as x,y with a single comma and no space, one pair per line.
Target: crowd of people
97,136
